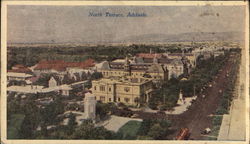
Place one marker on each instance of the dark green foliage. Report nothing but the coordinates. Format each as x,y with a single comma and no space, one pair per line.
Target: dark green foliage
228,93
49,113
28,55
71,124
96,75
166,97
217,120
156,129
102,109
30,120
88,131
14,126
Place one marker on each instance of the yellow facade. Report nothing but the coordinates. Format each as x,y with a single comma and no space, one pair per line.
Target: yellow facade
121,73
190,57
125,90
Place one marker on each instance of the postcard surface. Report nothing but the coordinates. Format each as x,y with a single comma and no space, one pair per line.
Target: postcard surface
117,72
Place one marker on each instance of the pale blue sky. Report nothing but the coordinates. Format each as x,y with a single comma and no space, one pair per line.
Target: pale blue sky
43,24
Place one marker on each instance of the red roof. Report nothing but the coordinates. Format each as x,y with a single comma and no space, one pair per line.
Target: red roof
18,66
20,69
34,79
61,65
180,54
149,55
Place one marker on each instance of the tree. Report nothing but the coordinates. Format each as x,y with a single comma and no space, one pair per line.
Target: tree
156,131
71,124
96,75
87,130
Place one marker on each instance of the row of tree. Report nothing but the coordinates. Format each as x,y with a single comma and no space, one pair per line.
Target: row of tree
166,97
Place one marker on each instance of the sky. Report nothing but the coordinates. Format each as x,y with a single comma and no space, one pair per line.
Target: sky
72,24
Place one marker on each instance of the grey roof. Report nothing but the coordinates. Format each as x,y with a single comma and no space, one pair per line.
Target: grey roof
156,68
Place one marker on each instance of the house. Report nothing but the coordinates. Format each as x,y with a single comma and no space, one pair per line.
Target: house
18,76
191,57
18,68
175,68
61,67
127,90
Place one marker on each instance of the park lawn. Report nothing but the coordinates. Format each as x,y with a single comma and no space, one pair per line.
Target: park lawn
14,126
130,129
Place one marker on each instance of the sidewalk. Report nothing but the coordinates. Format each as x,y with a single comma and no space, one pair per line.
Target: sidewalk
233,125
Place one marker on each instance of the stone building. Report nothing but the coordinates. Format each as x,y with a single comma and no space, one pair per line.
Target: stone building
128,90
133,69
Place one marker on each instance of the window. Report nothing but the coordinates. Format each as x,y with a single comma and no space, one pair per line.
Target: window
126,100
109,89
102,98
102,88
110,99
119,99
95,88
126,89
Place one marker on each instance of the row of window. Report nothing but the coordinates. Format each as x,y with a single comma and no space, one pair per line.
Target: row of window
107,73
127,100
102,88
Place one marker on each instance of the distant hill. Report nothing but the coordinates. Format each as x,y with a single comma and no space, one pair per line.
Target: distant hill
155,38
187,37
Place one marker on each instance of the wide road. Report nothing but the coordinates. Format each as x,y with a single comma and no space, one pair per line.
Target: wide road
196,117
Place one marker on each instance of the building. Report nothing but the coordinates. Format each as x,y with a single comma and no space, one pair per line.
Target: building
174,66
190,57
18,76
62,67
18,68
150,55
130,68
128,90
218,53
34,89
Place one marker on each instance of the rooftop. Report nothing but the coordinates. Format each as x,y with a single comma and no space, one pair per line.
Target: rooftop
150,55
61,65
124,80
21,75
37,88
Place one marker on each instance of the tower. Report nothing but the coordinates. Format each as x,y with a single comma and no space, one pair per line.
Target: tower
90,106
127,66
